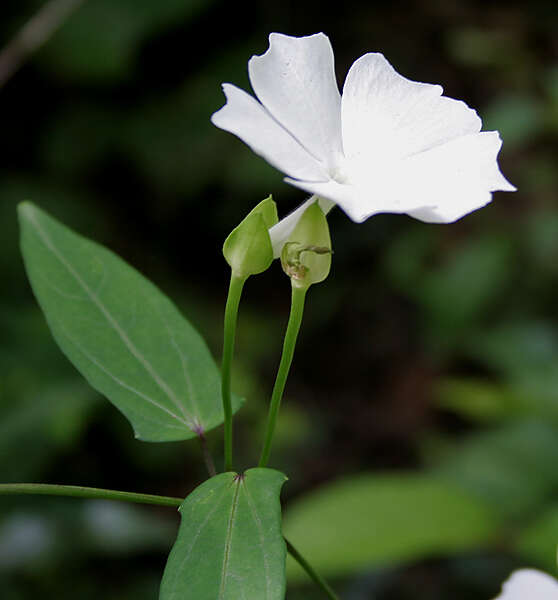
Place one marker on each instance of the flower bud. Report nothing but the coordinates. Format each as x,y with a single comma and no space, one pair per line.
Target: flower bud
248,248
306,256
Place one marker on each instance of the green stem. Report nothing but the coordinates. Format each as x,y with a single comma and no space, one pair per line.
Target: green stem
78,491
207,458
229,334
293,327
317,579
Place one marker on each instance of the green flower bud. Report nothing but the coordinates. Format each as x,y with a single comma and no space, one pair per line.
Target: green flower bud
306,256
248,248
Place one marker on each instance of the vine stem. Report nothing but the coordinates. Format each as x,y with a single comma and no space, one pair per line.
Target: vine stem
316,578
229,334
78,491
207,458
293,327
34,34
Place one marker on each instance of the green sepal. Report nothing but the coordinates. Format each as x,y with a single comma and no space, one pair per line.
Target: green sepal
306,255
248,248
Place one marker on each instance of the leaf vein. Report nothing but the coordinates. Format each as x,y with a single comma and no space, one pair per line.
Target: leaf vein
183,361
119,381
112,321
228,540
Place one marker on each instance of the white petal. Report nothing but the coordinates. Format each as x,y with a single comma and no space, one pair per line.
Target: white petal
440,185
385,114
456,178
280,232
295,81
346,196
361,202
528,584
248,119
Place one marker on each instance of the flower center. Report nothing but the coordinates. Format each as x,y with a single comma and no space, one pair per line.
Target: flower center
339,173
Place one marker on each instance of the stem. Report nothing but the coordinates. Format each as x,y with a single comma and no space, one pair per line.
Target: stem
317,579
293,327
208,459
34,34
78,491
229,333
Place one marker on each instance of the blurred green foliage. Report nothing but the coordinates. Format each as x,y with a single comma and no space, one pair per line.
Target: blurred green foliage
383,519
429,348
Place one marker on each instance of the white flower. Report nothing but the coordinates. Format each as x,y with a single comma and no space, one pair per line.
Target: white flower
528,584
388,144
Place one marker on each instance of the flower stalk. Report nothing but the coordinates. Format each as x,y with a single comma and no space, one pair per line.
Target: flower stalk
229,334
298,296
248,251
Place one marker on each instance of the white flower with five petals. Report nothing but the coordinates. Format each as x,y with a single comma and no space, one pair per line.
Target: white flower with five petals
388,144
529,584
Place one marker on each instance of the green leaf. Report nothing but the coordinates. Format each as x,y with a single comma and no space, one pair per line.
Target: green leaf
384,519
229,545
126,338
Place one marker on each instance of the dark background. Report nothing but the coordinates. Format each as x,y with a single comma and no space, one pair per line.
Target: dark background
426,344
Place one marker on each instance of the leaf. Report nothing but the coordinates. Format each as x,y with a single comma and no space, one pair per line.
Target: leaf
126,338
229,545
369,520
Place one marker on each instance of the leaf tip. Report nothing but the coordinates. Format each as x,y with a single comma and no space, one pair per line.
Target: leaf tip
25,208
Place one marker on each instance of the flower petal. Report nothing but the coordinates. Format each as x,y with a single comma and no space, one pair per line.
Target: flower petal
345,195
281,231
386,114
456,178
529,583
247,118
295,81
437,186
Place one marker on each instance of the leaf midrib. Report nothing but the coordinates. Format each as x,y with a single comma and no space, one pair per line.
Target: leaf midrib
238,481
112,322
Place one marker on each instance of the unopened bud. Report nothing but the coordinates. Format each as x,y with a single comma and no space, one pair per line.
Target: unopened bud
248,248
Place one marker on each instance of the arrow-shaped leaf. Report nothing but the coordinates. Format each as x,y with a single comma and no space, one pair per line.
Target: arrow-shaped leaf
229,545
127,338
